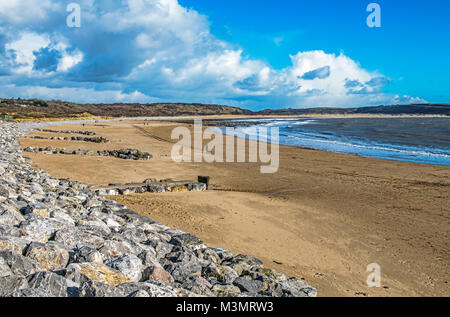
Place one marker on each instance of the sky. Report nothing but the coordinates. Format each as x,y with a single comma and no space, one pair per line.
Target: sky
248,53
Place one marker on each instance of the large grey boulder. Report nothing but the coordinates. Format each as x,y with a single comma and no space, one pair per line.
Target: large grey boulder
38,229
72,238
85,254
4,268
98,289
11,217
129,265
13,243
250,285
18,264
53,284
296,288
12,283
50,256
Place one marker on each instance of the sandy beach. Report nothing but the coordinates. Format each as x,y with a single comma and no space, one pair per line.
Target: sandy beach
322,217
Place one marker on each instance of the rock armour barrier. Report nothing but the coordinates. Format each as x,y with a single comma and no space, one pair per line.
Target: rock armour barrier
59,238
67,131
73,138
126,154
151,186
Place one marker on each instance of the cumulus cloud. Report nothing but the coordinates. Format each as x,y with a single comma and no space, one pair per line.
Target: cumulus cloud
157,50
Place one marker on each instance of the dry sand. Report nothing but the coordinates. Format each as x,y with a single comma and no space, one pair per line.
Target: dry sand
323,217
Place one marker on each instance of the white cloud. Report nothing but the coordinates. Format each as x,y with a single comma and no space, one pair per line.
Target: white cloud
159,48
22,51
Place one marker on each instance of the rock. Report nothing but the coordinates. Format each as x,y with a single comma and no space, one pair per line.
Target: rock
210,255
151,288
86,254
249,285
96,224
226,290
111,223
29,293
112,248
7,192
139,293
37,209
99,289
251,261
51,256
11,218
62,216
13,243
38,229
53,284
10,284
96,272
9,231
157,273
71,238
129,265
189,241
4,268
272,274
220,273
20,265
198,285
224,255
296,288
183,270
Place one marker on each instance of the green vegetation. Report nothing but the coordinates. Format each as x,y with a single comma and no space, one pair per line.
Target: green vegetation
36,109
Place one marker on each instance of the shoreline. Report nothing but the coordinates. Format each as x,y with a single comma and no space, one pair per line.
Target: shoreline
321,199
163,118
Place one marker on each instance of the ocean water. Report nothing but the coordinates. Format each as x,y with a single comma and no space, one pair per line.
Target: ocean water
412,139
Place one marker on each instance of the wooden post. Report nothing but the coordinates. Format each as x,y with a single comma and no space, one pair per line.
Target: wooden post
204,180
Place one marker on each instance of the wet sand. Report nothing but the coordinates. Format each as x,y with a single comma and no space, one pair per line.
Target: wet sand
323,217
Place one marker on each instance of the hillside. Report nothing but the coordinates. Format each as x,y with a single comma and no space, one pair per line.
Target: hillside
39,109
419,109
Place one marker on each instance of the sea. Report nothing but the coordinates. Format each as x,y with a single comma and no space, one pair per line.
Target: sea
410,139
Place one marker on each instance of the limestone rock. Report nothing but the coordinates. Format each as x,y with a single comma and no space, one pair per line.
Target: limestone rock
18,264
54,284
30,293
189,241
13,243
129,265
4,268
71,238
12,283
99,272
86,254
139,293
99,289
249,285
37,209
221,290
296,288
11,218
51,256
38,229
220,273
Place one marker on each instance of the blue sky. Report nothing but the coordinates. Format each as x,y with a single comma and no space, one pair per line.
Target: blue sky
254,54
